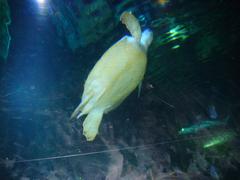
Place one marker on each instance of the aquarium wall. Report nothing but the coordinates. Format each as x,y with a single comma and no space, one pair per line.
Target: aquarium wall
5,38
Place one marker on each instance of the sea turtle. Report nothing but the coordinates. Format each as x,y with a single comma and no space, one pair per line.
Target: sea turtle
117,73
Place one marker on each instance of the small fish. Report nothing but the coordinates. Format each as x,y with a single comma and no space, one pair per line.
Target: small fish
163,2
220,138
203,125
212,112
213,172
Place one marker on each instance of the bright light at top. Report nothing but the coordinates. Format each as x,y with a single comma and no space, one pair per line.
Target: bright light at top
41,1
42,7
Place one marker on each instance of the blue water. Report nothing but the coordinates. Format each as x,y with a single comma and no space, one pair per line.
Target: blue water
42,81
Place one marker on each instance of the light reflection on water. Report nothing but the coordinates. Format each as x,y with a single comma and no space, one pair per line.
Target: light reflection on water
30,57
42,7
41,1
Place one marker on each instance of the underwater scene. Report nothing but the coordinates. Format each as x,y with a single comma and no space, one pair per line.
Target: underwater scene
119,90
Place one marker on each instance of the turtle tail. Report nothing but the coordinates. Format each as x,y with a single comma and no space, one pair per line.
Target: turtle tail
132,25
91,124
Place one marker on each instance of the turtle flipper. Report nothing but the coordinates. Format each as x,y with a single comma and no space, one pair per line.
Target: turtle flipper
91,124
132,25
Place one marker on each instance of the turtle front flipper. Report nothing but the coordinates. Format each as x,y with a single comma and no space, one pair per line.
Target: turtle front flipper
132,25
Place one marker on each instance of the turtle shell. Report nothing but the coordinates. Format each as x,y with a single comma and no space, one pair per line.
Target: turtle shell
115,76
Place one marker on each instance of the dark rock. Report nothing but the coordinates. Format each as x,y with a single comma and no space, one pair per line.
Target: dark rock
81,23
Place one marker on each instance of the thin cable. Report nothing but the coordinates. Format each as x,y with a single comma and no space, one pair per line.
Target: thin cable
140,147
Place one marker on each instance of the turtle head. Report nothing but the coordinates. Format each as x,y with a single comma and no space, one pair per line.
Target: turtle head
134,28
146,39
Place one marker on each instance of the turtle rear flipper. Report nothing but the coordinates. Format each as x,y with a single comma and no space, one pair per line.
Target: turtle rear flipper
132,25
